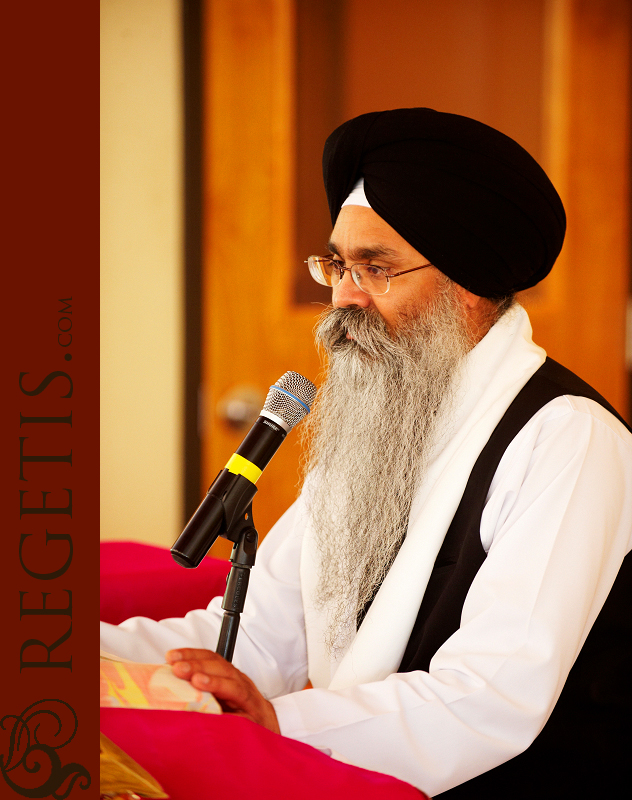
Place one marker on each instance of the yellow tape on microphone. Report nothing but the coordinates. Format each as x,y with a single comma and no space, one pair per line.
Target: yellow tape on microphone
239,465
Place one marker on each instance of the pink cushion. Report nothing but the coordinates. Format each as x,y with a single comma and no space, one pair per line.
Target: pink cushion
143,580
199,756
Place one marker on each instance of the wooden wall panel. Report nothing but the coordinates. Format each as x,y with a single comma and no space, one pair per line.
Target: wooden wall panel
578,312
480,58
319,90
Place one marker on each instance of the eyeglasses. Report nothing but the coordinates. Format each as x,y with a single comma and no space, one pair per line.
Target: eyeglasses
367,277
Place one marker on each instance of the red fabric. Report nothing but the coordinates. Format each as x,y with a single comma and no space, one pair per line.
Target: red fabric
203,757
143,580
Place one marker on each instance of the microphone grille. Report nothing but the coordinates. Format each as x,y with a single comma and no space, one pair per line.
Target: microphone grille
289,396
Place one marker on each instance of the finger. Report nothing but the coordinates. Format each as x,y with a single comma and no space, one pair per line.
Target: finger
185,669
232,690
190,654
234,694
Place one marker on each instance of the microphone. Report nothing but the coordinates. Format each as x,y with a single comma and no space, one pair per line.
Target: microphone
232,491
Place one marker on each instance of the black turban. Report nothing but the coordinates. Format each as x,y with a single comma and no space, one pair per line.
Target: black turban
467,197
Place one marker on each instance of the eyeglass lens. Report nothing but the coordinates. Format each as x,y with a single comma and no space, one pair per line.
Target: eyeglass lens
369,279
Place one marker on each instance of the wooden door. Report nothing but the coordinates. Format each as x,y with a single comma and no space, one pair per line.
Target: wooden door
254,331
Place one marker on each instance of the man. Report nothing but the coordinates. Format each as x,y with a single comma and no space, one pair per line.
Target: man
467,504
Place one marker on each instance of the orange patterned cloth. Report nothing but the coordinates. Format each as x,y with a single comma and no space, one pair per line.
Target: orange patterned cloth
127,684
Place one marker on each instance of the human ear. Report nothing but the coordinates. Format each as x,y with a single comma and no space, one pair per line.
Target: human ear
469,299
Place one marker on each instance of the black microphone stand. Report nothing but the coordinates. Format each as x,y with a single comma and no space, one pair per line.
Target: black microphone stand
244,535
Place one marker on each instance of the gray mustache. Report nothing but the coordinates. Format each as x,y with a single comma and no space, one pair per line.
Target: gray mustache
368,329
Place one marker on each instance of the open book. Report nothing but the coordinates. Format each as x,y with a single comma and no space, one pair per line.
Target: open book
128,684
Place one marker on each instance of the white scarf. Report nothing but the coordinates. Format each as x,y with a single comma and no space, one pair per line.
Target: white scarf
495,371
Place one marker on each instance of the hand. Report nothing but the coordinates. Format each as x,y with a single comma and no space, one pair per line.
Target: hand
235,692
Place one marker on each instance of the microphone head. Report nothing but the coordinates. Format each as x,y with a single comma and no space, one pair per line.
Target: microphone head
290,398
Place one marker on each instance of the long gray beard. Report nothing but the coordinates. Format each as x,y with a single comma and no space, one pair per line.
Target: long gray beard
379,414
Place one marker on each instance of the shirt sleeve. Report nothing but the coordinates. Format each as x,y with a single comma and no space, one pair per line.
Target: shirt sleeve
270,647
556,525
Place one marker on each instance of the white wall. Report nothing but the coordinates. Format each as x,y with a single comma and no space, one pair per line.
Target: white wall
141,271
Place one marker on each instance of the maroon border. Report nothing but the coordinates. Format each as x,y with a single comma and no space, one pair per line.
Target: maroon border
50,263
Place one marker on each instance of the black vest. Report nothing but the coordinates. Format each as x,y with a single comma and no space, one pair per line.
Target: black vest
585,745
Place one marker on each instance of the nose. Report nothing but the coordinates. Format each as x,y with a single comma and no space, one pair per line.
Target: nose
346,294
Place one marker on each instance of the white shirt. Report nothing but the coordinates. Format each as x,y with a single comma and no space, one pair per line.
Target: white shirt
556,525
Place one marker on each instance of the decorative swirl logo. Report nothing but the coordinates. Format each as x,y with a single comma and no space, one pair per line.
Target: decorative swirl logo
35,736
